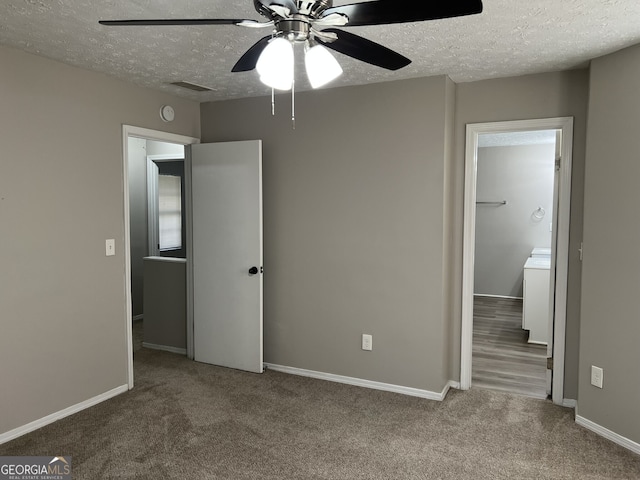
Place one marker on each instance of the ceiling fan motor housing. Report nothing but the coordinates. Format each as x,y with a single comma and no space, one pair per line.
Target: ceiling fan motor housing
314,8
295,29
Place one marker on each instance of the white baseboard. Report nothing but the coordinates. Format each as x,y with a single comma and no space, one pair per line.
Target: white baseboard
451,384
506,297
359,382
569,403
137,317
54,417
608,434
165,348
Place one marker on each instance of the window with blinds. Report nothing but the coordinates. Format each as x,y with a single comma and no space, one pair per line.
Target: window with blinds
169,212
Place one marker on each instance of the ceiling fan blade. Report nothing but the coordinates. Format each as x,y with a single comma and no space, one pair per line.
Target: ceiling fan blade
249,60
382,12
365,50
184,21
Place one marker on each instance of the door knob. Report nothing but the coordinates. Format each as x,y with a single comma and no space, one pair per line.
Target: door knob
253,270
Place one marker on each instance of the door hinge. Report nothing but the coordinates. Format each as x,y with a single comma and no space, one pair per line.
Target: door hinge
558,163
550,363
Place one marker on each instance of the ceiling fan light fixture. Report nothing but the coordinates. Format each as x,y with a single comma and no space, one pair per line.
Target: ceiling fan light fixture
275,65
322,66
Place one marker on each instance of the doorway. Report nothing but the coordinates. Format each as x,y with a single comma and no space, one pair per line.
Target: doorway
223,203
143,135
539,217
514,227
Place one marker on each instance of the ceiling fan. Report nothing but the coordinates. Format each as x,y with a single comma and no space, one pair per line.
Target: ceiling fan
313,23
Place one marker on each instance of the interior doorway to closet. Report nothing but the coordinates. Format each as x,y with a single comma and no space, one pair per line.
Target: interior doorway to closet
189,310
145,153
515,260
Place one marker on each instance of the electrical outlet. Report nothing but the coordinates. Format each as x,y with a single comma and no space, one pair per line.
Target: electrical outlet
597,376
367,342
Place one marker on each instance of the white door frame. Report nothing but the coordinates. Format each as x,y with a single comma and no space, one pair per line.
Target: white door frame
565,124
146,134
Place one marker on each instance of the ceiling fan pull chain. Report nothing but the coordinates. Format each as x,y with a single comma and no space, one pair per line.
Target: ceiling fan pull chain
273,90
293,98
293,102
273,102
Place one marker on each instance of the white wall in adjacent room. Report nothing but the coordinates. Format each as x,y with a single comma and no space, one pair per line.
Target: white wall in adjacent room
505,234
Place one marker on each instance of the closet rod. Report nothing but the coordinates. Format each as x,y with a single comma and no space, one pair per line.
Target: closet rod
503,202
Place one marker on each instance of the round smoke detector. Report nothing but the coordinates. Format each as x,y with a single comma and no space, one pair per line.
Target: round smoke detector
167,114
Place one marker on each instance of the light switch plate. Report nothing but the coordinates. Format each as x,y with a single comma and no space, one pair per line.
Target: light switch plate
110,247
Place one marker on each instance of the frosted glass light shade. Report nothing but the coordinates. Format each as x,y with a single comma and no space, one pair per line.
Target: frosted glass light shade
322,67
275,65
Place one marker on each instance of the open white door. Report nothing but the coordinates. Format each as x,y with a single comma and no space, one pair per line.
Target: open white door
226,254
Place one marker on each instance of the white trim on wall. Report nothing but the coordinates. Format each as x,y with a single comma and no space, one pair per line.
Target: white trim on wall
359,382
145,133
562,250
506,297
153,249
165,348
188,171
54,417
608,434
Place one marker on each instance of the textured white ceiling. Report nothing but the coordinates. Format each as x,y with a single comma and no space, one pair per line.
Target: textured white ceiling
511,37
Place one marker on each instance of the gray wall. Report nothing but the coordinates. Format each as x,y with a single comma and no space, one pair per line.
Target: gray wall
610,327
345,180
505,235
354,202
520,98
61,195
449,252
165,302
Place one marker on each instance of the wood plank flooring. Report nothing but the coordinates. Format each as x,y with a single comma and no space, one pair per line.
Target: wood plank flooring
502,358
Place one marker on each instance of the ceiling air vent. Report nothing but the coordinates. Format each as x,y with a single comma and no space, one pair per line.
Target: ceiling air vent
191,86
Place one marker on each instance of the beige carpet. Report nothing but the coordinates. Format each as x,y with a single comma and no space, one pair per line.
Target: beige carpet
191,421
